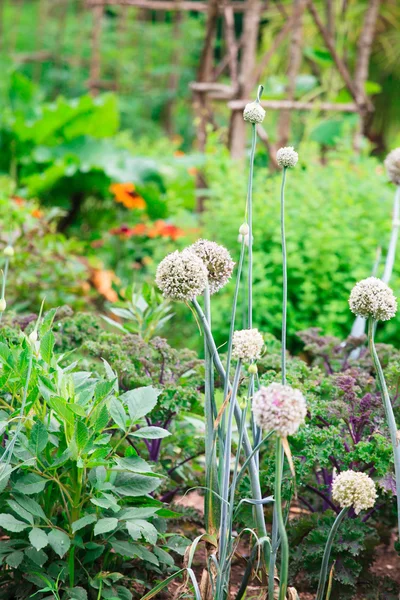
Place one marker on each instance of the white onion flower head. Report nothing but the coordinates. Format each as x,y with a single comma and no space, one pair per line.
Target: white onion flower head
279,408
181,276
244,229
3,305
372,298
247,344
392,164
253,112
287,157
353,489
218,262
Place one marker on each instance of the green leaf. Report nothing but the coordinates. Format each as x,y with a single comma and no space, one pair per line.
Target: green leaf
150,433
134,464
123,593
163,556
100,418
10,523
30,505
38,538
30,484
81,435
39,438
105,525
47,346
129,484
21,512
139,528
77,593
83,522
37,556
117,412
133,512
140,401
15,559
59,541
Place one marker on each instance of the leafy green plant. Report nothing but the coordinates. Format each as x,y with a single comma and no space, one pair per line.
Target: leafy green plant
76,496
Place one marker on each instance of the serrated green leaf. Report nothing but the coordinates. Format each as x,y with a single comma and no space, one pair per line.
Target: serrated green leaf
30,484
38,538
140,528
30,505
81,435
39,438
77,593
15,559
47,346
21,512
37,556
100,419
59,541
118,414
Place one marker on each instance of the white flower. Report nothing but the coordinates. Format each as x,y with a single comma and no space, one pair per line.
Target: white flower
244,229
352,489
247,344
371,297
8,251
254,112
245,238
392,164
33,336
279,408
3,304
217,260
287,157
181,276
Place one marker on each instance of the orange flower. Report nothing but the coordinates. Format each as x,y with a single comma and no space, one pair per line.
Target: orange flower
192,171
19,201
37,213
179,153
125,194
166,230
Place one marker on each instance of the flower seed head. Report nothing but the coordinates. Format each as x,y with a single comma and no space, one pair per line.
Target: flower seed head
181,276
3,305
33,336
392,164
245,238
371,297
279,408
254,112
244,229
218,262
352,489
8,251
247,344
287,157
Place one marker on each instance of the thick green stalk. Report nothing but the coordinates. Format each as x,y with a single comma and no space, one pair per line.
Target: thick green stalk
283,577
327,553
253,472
389,412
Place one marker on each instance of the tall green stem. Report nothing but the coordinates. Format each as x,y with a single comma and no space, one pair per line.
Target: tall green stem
250,222
327,553
284,277
210,509
283,577
388,410
225,532
253,472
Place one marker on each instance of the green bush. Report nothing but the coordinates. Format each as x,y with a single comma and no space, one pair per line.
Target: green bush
336,217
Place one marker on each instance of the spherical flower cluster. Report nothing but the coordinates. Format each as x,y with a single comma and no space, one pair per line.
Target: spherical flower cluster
181,276
254,112
352,489
392,164
371,297
287,157
217,260
247,344
279,408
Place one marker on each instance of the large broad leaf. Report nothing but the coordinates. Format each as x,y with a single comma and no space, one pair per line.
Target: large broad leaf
105,525
139,528
117,412
77,593
59,541
38,538
30,505
15,559
140,401
37,556
10,523
21,512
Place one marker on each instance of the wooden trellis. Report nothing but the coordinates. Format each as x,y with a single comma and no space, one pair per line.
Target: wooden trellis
240,59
